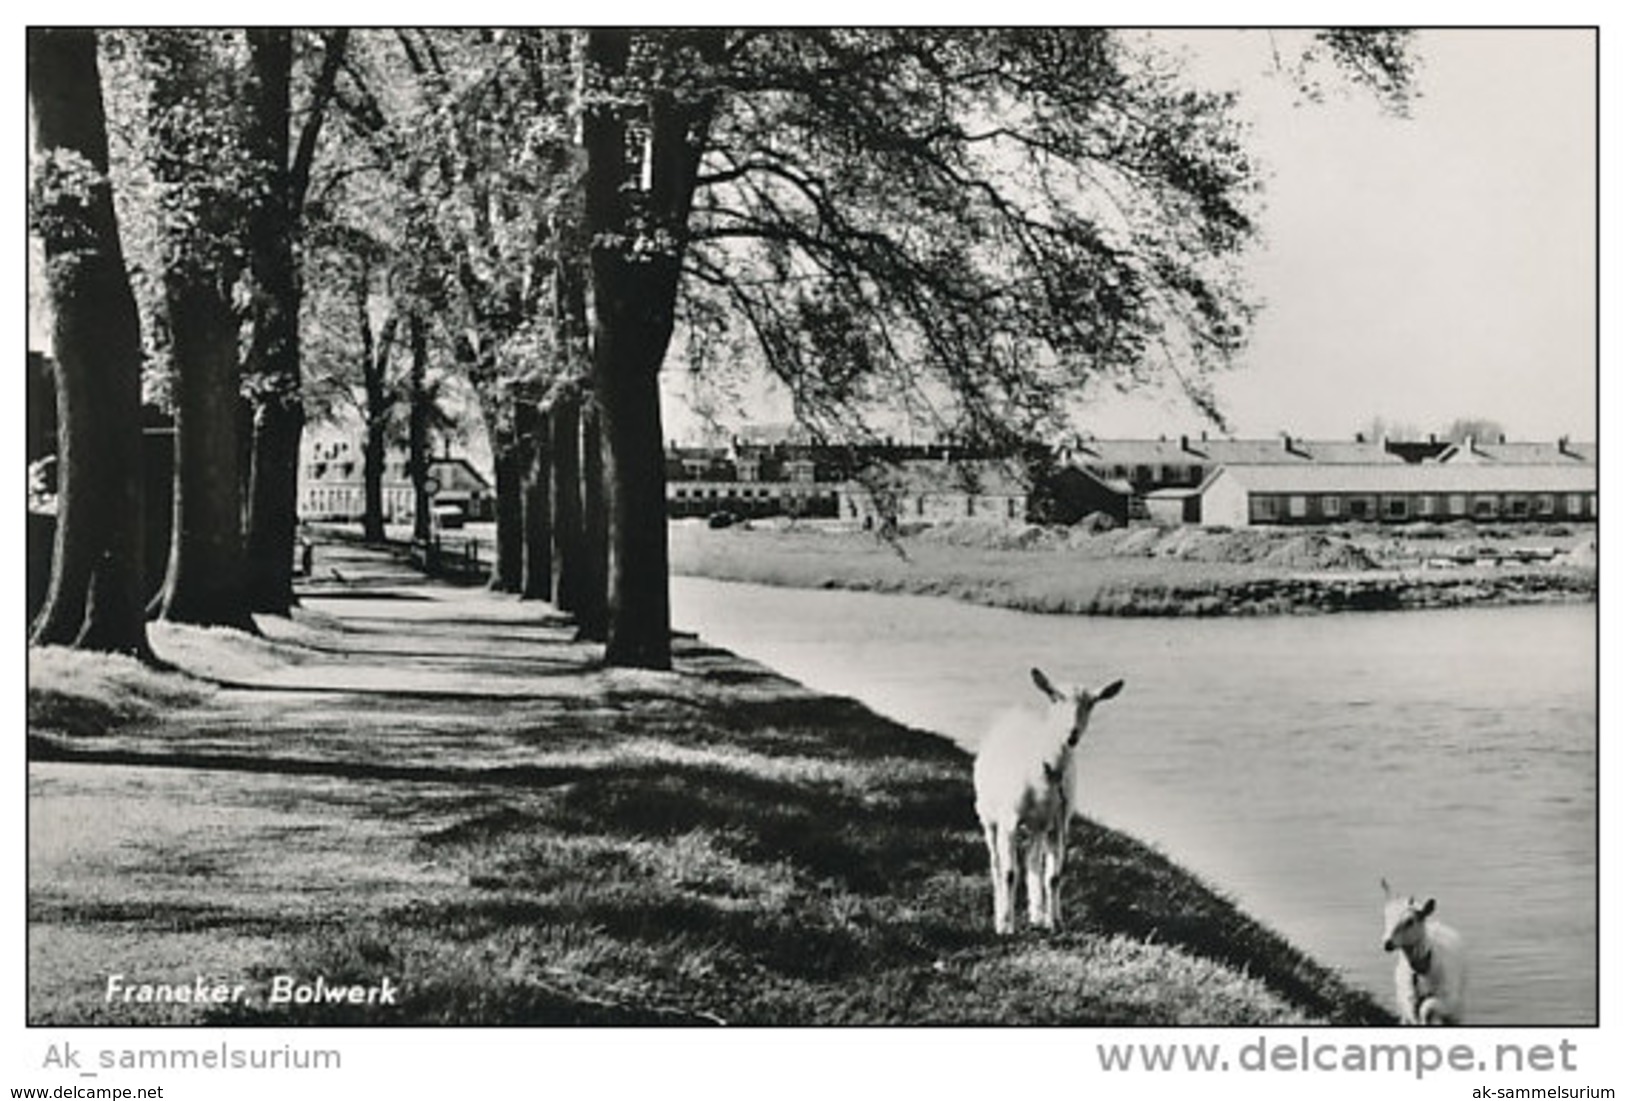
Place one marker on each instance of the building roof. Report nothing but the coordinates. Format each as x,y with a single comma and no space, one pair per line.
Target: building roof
1415,478
1526,452
1132,453
1178,492
456,472
1418,451
1189,450
1290,450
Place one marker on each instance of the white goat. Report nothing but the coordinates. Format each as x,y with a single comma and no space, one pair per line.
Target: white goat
1026,791
1430,977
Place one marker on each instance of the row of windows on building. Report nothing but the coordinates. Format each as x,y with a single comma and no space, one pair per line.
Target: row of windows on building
1004,508
394,470
719,468
1167,475
745,493
1478,506
751,500
320,502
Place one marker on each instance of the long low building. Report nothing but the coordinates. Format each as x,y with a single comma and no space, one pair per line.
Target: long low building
750,499
936,491
1244,495
331,487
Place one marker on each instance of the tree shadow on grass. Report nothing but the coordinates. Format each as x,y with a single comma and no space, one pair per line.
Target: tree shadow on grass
167,916
825,830
388,589
883,854
793,723
459,625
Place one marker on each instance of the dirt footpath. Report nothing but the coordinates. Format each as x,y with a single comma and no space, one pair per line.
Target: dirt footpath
298,791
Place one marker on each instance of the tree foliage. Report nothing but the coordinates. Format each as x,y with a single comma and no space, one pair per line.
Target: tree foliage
978,223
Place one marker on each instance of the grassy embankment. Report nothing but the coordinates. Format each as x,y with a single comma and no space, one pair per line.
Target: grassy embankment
516,836
1146,570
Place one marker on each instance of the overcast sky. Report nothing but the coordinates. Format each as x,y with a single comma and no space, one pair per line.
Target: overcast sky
1434,267
1419,270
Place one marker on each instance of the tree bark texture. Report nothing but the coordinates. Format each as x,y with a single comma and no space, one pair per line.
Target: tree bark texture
508,465
636,214
564,441
417,461
571,336
95,599
205,584
592,615
380,402
536,580
273,357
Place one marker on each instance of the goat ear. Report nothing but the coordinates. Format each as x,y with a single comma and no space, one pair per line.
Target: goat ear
1386,890
1427,907
1109,691
1044,685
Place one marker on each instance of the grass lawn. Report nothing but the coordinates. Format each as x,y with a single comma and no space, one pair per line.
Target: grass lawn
511,835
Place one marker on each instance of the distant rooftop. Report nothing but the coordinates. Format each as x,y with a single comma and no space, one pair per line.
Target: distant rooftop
1536,452
1417,478
1228,452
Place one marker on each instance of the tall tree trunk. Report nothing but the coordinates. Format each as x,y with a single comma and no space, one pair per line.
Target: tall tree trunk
95,599
417,460
564,439
592,615
636,220
273,506
536,580
638,623
374,453
205,584
571,573
273,357
634,471
507,462
379,403
191,93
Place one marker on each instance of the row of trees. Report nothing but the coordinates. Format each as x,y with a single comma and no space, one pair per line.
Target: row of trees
971,225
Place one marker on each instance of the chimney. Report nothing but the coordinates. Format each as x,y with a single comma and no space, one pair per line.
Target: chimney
1359,437
1503,437
1433,437
1286,441
1204,435
1184,443
1467,445
1562,445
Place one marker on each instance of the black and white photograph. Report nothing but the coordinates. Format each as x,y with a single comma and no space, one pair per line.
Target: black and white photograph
546,532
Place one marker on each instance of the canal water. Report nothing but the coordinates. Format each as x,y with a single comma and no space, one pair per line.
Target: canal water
1290,761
